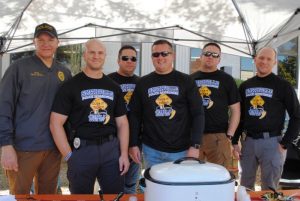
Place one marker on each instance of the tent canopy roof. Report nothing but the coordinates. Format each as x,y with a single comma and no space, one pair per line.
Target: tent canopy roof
241,26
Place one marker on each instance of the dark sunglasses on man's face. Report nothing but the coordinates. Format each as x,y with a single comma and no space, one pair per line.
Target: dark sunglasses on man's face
126,58
213,54
163,54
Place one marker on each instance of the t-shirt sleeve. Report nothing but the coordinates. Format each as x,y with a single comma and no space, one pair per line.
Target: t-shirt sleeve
63,100
240,127
194,98
135,116
120,108
233,92
291,103
196,110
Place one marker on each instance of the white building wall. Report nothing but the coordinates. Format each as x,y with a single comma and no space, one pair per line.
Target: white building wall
232,61
4,63
275,68
112,50
1,60
298,78
182,59
146,61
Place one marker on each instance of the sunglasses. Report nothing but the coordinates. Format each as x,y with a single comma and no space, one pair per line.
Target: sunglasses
163,54
126,58
213,54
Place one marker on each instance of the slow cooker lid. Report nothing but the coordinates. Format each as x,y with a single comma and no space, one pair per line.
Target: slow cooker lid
189,170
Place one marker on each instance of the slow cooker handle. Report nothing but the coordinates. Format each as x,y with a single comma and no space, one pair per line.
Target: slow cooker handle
178,161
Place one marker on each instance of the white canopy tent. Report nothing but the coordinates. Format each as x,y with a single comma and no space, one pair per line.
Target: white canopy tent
240,26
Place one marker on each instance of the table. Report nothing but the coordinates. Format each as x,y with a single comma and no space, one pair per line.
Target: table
73,197
255,196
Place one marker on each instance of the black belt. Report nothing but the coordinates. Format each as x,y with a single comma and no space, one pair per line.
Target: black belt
79,142
262,135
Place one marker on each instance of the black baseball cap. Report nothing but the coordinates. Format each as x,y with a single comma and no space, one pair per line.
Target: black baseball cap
45,28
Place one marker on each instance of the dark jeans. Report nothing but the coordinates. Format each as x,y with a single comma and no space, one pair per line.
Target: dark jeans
131,178
95,161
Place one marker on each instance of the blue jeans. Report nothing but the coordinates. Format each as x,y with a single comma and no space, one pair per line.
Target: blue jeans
153,156
131,178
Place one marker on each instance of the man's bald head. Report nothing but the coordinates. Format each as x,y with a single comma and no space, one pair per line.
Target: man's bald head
265,60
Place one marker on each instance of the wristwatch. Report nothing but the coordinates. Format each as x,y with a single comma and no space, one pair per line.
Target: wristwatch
196,146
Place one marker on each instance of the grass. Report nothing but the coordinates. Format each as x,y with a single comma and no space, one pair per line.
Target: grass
3,181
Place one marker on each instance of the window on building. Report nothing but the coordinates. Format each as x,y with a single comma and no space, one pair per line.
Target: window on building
195,59
287,61
247,68
195,53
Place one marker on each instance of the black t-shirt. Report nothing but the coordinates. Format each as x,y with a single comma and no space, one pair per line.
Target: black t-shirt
218,91
165,105
263,106
127,85
91,105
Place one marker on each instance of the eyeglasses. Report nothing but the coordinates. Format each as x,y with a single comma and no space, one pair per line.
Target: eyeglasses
213,54
163,54
126,58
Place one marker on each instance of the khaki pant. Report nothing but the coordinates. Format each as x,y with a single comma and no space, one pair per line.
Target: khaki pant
43,166
216,148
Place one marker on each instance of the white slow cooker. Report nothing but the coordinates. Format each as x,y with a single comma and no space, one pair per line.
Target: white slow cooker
188,179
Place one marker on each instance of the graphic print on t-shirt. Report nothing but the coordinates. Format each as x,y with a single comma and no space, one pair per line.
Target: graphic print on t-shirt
98,105
205,92
257,102
128,89
163,101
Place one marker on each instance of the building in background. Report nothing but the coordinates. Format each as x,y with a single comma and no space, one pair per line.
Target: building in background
187,60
